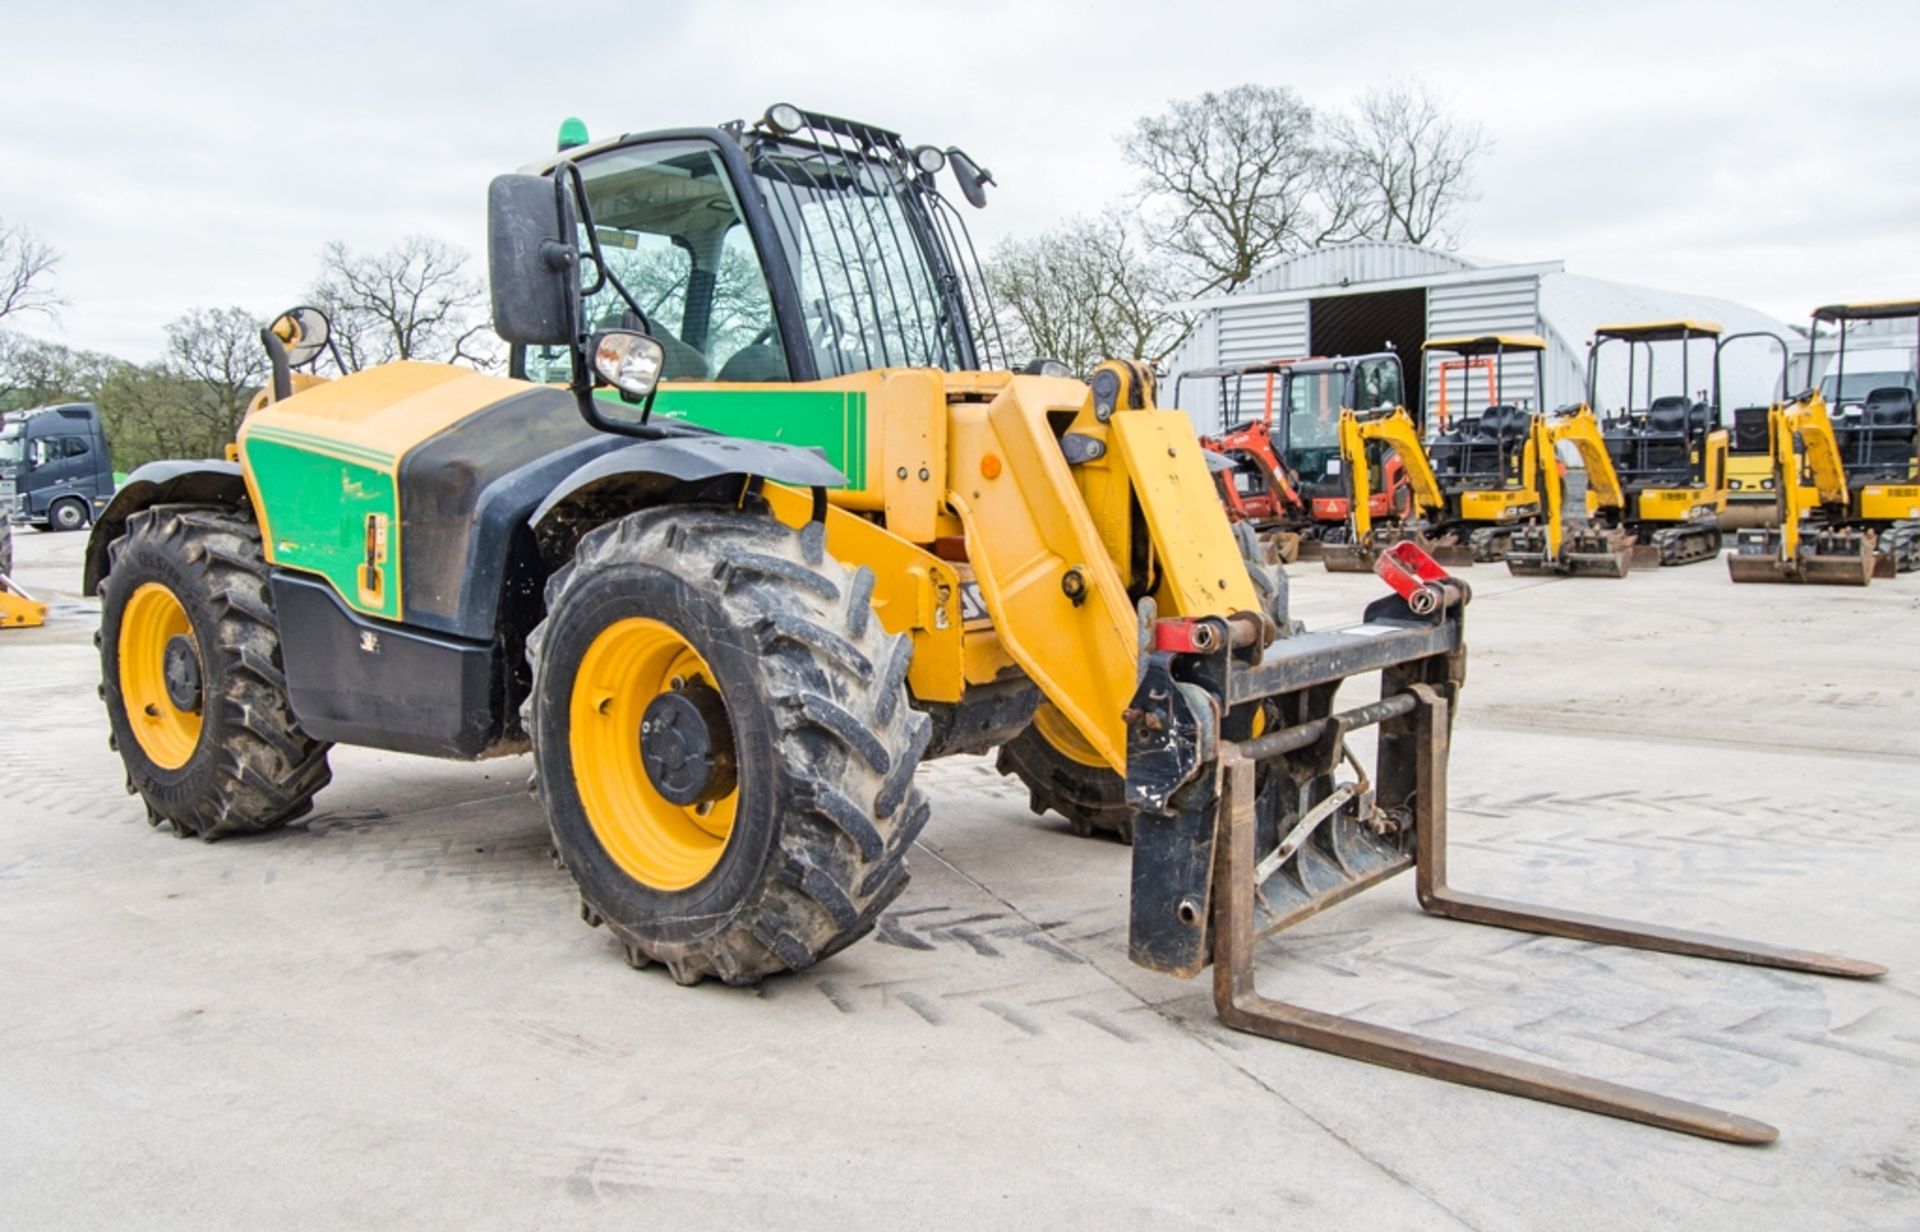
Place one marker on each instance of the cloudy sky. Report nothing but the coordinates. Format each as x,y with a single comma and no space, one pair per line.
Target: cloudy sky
193,154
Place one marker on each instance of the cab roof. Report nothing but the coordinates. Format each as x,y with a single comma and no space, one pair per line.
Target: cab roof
1660,331
1875,310
1486,344
1257,368
1337,363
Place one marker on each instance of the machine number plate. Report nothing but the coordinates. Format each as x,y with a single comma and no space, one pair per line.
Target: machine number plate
972,606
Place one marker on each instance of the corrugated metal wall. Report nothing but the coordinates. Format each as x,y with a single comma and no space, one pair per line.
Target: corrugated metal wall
1237,334
1501,306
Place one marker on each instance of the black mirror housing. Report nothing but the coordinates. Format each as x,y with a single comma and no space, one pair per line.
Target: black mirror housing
533,260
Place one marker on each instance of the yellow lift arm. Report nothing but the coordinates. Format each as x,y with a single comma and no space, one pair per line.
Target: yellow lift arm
1396,431
1805,419
1580,429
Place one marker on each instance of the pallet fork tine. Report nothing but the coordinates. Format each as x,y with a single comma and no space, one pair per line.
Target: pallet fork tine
1243,1008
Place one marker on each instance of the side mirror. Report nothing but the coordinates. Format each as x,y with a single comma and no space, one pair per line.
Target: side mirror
533,260
304,332
971,176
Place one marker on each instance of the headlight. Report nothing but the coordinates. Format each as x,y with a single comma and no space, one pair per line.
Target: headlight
628,361
1734,484
785,118
929,158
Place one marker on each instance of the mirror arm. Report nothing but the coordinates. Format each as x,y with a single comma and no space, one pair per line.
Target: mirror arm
282,366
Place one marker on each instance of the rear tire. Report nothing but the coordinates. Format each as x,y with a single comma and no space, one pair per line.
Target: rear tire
232,759
816,716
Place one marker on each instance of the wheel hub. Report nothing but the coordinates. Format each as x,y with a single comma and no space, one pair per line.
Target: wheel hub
686,745
180,670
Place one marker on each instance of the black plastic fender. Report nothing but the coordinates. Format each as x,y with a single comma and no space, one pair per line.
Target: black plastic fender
202,481
690,459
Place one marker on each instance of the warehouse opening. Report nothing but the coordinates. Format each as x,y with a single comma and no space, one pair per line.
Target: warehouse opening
1378,321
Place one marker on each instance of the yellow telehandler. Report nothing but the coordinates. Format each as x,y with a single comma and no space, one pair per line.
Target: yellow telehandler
762,517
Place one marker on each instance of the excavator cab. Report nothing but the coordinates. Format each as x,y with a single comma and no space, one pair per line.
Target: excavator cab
1872,406
1482,459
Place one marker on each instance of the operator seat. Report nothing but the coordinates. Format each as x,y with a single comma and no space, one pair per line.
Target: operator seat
761,362
1888,427
1667,437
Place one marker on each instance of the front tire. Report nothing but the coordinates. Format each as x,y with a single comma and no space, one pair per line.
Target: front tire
193,680
68,513
771,827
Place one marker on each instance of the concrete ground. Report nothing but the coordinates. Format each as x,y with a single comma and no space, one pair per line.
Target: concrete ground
391,1014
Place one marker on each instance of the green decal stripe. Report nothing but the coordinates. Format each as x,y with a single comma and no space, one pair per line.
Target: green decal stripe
322,444
316,510
830,420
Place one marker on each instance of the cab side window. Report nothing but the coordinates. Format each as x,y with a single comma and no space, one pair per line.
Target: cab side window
671,233
1378,382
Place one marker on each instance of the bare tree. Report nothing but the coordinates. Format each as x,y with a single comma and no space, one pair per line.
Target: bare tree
218,352
1230,180
26,267
414,301
1087,291
1411,161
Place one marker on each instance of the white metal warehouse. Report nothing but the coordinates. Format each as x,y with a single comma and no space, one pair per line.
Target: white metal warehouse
1373,296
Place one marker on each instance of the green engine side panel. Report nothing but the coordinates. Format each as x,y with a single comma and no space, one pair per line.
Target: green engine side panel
317,495
832,421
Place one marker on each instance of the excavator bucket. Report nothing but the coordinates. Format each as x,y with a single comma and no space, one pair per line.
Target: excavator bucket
1453,554
1825,558
1265,831
1282,547
1361,556
1584,552
1347,556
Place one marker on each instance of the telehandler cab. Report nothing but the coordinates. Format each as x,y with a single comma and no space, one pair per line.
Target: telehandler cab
1483,462
1847,493
783,525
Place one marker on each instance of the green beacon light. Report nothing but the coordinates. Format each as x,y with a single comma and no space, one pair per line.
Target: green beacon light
573,133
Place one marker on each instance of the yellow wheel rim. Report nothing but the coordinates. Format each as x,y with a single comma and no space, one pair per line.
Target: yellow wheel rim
1058,730
658,843
152,618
